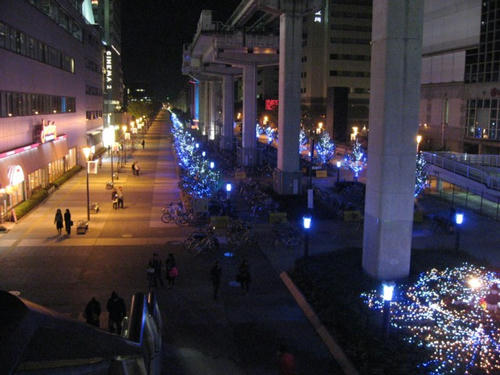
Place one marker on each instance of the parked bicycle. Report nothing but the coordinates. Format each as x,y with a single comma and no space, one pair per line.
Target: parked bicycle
202,241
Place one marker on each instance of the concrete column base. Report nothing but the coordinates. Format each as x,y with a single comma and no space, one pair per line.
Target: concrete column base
287,183
248,157
226,143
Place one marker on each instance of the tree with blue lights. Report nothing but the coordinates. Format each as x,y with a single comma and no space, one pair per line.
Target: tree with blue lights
271,134
197,178
356,160
420,175
302,141
325,149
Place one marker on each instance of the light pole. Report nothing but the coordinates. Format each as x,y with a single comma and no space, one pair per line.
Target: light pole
459,219
228,190
108,138
86,152
388,291
339,164
306,223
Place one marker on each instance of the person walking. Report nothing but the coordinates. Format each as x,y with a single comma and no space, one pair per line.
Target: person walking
92,312
114,198
150,273
286,361
243,276
137,169
120,197
133,168
67,221
58,220
157,265
172,271
215,276
143,143
117,311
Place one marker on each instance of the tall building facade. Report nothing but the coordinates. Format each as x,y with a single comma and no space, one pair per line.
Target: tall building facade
107,14
335,78
50,94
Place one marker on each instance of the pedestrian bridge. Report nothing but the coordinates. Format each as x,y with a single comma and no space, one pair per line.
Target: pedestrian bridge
478,174
35,340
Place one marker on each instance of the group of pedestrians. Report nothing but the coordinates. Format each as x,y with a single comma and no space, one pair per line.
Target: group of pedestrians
116,309
117,198
63,221
154,271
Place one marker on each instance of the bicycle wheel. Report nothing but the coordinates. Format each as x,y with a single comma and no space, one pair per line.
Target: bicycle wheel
166,218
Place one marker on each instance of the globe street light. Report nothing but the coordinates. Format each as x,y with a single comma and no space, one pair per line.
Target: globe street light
86,152
306,223
459,219
339,164
229,187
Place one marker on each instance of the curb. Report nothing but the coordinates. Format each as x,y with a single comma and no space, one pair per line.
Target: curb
321,330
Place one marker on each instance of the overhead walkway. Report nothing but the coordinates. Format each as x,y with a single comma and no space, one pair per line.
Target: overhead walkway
36,340
471,181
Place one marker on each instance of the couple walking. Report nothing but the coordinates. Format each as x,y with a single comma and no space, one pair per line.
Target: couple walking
117,198
59,219
116,309
154,271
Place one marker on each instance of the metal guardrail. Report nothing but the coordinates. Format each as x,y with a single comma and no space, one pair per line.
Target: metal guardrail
484,160
470,171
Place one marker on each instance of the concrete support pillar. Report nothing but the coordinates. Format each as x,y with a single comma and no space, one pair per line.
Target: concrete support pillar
197,101
248,140
394,108
203,107
287,176
213,110
227,112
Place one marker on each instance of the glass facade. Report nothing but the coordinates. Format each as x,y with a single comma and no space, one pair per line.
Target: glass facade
482,118
25,104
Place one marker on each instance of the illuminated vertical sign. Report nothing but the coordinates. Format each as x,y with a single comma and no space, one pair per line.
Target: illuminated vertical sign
109,70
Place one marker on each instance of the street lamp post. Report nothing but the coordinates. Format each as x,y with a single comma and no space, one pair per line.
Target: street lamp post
228,190
339,164
459,219
306,223
388,291
86,152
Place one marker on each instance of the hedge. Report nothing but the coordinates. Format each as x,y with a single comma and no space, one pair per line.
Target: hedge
24,207
38,196
67,175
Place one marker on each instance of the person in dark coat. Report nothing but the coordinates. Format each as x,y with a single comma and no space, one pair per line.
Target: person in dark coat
117,311
143,143
215,276
92,312
171,269
243,276
58,220
157,265
67,221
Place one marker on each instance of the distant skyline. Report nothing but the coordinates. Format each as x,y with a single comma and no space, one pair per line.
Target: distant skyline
153,32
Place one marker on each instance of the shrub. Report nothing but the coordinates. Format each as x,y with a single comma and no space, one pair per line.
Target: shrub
67,175
24,207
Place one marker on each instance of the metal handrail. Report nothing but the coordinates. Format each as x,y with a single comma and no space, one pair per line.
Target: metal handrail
484,160
453,164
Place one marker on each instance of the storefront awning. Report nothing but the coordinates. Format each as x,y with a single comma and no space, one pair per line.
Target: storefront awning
31,159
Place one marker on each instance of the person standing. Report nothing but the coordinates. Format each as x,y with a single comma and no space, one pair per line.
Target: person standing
120,197
137,169
117,311
133,168
243,276
58,220
92,312
171,268
215,276
143,143
67,221
286,361
114,198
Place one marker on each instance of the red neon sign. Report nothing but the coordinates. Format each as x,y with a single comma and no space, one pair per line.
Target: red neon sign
272,104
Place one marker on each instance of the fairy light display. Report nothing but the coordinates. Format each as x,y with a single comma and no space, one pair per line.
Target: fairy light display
356,160
197,178
444,312
272,135
302,141
420,175
258,130
325,149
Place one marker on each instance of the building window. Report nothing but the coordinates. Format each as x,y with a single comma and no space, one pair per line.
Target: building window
13,104
18,42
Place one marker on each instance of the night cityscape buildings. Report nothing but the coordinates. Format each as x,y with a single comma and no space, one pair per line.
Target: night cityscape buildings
379,238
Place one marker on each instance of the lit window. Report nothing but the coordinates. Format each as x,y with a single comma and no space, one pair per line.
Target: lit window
317,16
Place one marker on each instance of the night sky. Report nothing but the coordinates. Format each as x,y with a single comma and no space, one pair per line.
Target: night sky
153,32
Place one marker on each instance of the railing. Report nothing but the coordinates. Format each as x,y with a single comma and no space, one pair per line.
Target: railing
483,160
453,164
